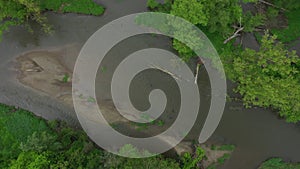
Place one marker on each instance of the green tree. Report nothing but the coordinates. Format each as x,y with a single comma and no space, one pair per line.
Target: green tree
8,146
39,142
152,4
16,12
222,18
218,16
191,10
31,160
270,78
19,12
190,162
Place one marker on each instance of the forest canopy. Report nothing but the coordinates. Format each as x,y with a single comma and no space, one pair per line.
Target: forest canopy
268,77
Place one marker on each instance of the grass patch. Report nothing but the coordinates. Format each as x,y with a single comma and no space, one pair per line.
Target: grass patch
212,167
91,100
277,163
225,147
66,78
88,7
160,123
222,159
292,32
227,150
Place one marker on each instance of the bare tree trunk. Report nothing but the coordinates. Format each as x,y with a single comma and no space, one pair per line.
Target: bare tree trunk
234,35
197,72
270,4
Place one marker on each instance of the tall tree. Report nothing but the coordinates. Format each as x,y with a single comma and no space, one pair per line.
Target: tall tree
191,10
16,12
270,78
218,16
225,18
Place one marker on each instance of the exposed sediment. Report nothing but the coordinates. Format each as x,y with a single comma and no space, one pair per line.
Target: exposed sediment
50,72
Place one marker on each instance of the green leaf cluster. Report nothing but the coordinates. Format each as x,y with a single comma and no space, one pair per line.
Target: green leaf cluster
190,162
277,163
19,12
292,31
30,142
213,16
270,78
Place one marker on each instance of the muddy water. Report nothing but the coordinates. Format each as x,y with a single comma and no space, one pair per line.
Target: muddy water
257,133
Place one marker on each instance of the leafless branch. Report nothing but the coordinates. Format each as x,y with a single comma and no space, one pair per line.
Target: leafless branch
197,73
270,4
236,34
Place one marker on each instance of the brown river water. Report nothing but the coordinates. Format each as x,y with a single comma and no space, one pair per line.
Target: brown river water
257,133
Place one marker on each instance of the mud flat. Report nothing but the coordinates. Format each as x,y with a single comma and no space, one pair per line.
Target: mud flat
50,72
44,71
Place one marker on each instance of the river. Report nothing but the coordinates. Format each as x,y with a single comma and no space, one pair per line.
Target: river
257,133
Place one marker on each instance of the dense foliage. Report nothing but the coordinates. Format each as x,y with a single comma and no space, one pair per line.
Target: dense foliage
292,31
222,18
16,12
270,78
281,17
19,12
29,142
217,16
